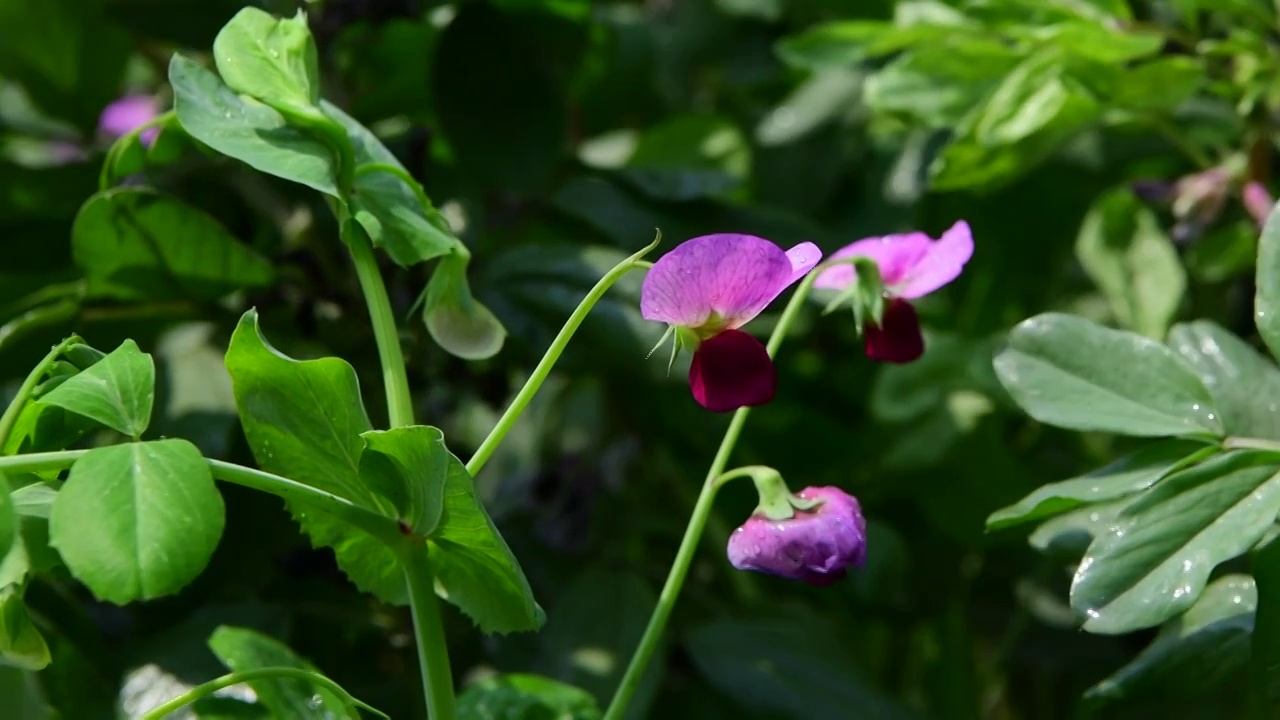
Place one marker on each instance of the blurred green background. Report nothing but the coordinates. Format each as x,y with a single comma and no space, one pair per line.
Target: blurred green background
556,137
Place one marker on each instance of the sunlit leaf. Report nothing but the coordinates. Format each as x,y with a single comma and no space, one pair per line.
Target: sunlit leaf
118,391
1245,385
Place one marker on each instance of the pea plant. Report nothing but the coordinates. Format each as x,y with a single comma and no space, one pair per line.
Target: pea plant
139,517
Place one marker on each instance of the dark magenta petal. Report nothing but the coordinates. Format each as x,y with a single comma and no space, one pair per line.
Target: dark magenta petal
897,339
816,546
732,370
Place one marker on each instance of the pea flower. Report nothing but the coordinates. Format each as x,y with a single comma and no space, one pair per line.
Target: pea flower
708,287
911,266
817,545
125,114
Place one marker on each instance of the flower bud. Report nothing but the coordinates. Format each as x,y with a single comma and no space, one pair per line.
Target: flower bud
816,545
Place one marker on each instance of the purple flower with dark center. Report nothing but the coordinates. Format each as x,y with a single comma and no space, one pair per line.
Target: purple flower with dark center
817,545
911,265
125,114
708,287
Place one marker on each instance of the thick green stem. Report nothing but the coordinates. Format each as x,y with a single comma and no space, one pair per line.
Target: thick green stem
385,333
697,522
381,527
433,655
540,373
245,676
19,401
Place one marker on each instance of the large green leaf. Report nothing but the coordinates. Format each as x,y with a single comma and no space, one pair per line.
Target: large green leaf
118,391
408,465
1195,652
475,570
790,667
1125,251
1154,560
1245,384
136,244
1266,303
242,649
1067,371
1126,476
246,130
303,420
525,697
137,521
270,59
937,85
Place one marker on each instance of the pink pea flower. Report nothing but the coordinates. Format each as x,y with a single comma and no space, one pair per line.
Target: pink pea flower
816,546
125,114
911,265
1257,201
707,288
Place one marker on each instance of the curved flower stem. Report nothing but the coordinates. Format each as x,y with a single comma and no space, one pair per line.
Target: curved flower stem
540,373
716,476
19,401
236,678
381,527
385,333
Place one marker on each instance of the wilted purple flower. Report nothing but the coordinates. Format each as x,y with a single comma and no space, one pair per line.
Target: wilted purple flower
911,265
707,288
816,545
125,114
1257,201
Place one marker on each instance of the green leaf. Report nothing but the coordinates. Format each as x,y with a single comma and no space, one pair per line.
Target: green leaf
137,521
389,210
117,392
784,666
1152,563
1159,85
246,130
1245,384
8,520
525,697
1095,41
136,244
938,85
688,157
303,420
1266,303
1070,534
475,570
1200,650
34,500
1124,249
1067,371
1265,651
456,320
849,42
270,59
21,644
408,465
511,135
242,649
1126,476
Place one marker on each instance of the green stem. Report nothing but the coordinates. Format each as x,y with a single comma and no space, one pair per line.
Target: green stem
385,333
19,401
381,527
401,173
433,655
540,373
716,476
244,676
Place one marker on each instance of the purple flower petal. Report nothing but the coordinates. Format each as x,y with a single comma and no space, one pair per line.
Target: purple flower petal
1257,201
728,277
125,114
911,265
816,546
897,339
732,370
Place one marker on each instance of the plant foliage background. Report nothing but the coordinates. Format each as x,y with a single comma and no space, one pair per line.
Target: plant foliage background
556,136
